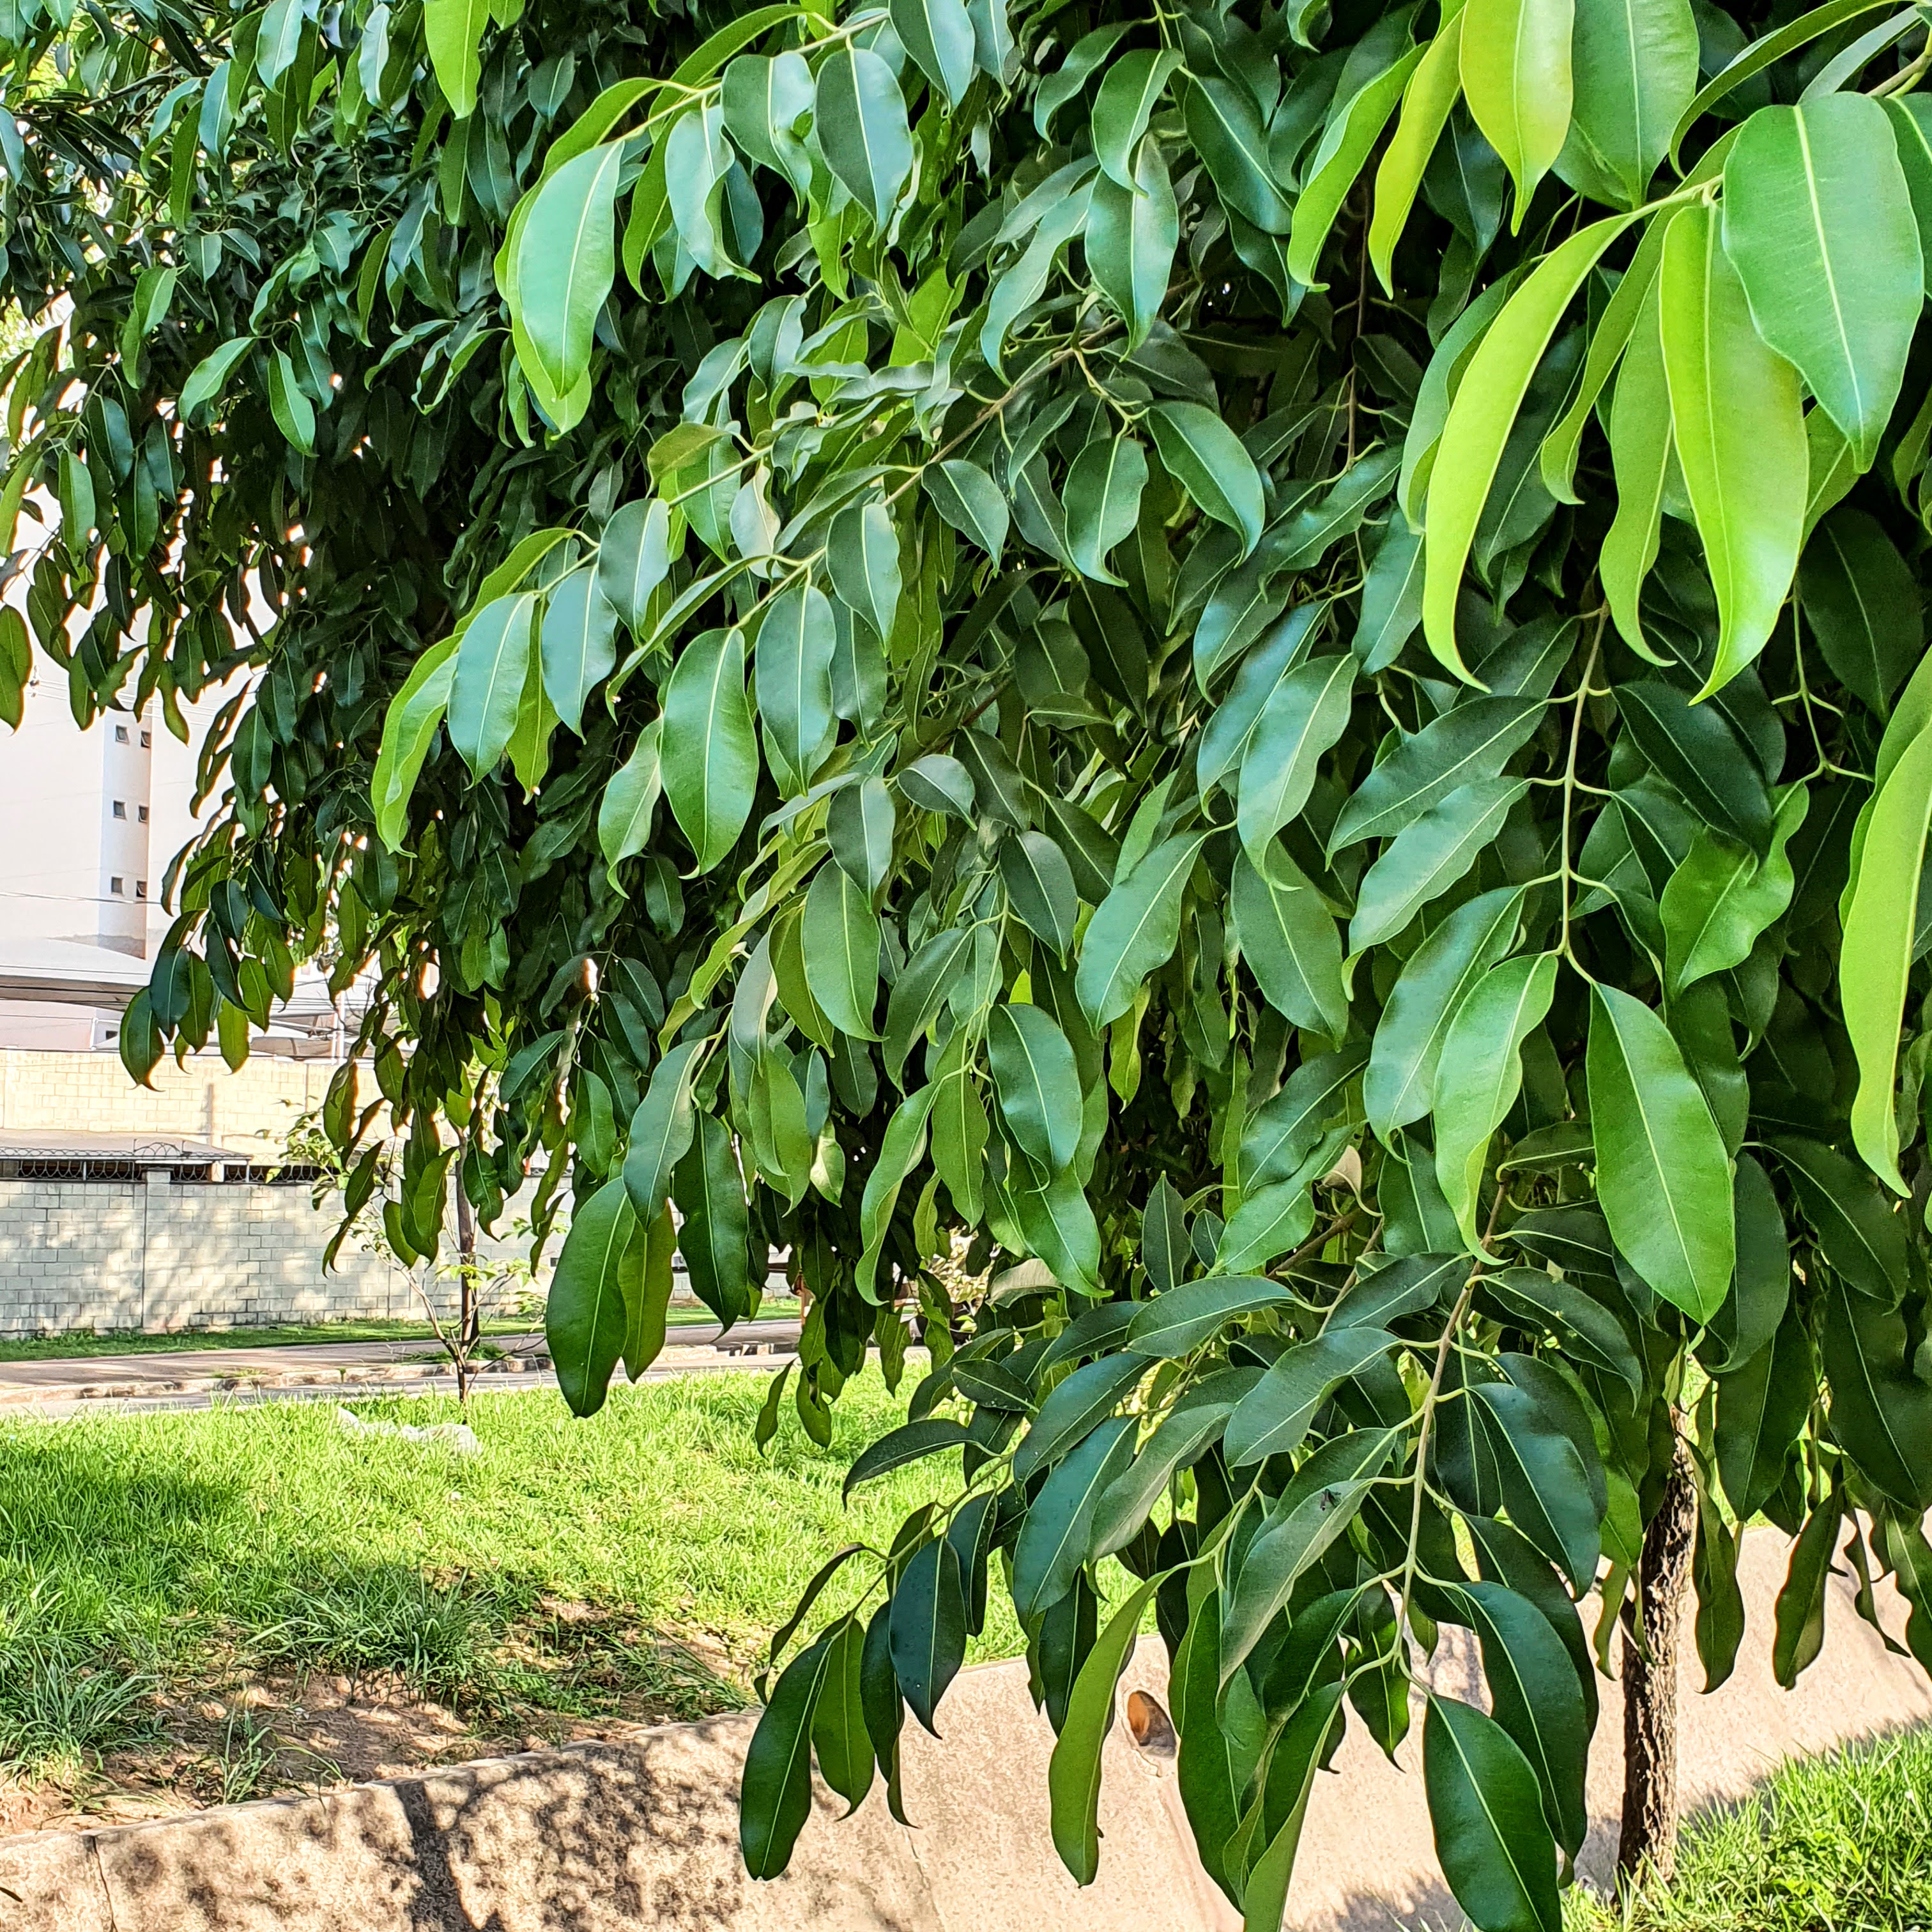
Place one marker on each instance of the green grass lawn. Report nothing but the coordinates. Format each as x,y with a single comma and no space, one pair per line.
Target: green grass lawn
63,1348
1836,1844
634,1562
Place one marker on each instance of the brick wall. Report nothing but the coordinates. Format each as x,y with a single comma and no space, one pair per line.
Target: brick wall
156,1254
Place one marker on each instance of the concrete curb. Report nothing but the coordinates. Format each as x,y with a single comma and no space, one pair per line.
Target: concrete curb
616,1837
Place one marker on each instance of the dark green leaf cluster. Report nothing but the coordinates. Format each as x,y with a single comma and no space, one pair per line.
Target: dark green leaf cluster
1029,656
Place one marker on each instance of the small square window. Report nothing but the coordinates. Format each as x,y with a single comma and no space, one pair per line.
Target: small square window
140,888
120,734
120,808
147,740
141,814
116,886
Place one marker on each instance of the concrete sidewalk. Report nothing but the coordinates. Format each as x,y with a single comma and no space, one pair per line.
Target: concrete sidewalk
197,1377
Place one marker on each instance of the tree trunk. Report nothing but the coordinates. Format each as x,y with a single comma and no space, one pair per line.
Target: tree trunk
1648,1839
468,1326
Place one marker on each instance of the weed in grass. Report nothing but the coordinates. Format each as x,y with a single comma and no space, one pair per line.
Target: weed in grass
1836,1844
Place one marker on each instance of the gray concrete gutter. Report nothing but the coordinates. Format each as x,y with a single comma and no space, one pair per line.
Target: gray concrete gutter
615,1837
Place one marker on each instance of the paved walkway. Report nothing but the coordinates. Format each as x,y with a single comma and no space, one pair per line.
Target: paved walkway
199,1378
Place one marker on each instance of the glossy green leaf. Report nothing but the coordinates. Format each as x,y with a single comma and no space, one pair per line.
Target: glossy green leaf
1135,930
1634,68
566,260
1131,234
662,1131
1818,223
1102,496
634,558
862,551
453,31
793,678
1274,1418
1439,976
1038,1084
1130,88
1662,1175
1516,68
585,1321
579,644
1479,1074
938,34
859,117
841,951
1224,124
1881,1411
1039,887
1206,457
776,1798
1304,715
408,728
630,800
1737,422
1428,856
1432,90
1493,385
969,500
492,664
1494,1844
1290,942
1863,605
710,755
1353,129
1644,460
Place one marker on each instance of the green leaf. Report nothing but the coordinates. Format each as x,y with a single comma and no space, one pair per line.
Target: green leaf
1762,1404
1040,886
1643,460
839,1739
1492,1839
794,677
1818,223
1536,1698
293,412
1881,1411
1038,1083
1721,898
910,1442
1274,1417
1073,1409
970,500
1131,236
661,1130
1290,942
1058,1527
1224,124
1438,977
1433,90
1634,66
714,1238
409,727
764,102
1429,856
566,260
579,644
1129,90
647,1284
209,377
585,1321
1861,1236
1073,1773
920,992
928,1628
1863,604
899,1152
1471,741
859,828
1491,390
1516,67
1738,423
842,952
862,551
1135,929
1479,1074
1181,1318
1662,1178
1318,1505
859,117
634,558
1058,1221
1353,127
492,663
937,783
1881,923
1304,715
1102,496
1267,1225
1209,461
1694,746
938,34
630,801
453,31
776,1796
710,751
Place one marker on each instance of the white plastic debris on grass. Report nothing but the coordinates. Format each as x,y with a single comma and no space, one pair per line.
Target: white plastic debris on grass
457,1437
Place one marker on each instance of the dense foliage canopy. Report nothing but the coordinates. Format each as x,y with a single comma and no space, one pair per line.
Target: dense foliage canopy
1250,675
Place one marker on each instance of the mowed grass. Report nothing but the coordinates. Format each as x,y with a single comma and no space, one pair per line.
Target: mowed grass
1836,1844
640,1559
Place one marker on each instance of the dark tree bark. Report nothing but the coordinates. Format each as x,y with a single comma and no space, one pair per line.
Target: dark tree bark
469,1312
1649,1838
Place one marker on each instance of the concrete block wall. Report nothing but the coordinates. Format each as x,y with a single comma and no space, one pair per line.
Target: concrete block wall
251,1110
